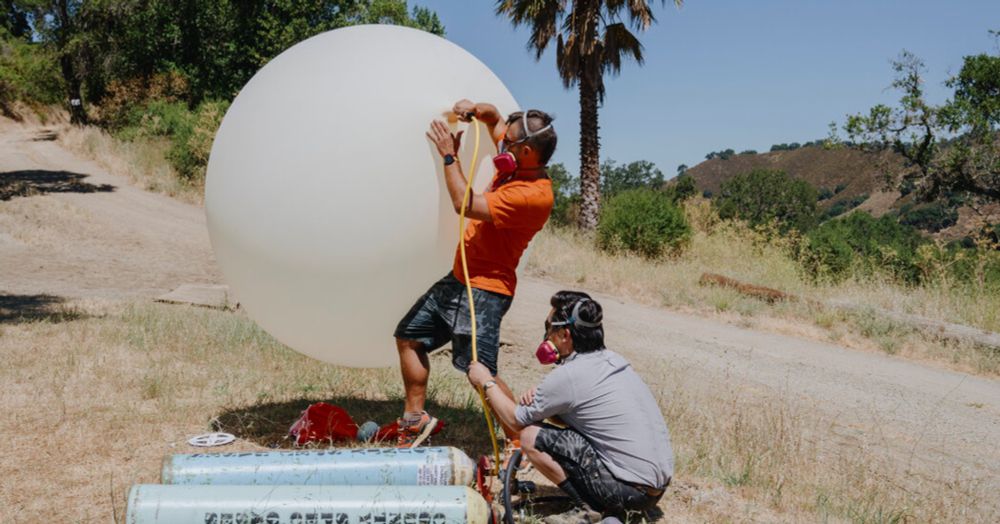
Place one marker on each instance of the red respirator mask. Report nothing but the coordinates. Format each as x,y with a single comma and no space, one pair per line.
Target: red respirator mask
505,162
547,353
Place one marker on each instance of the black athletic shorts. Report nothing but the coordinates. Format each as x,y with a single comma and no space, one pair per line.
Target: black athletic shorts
591,478
441,315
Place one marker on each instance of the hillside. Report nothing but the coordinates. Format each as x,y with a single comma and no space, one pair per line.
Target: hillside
848,173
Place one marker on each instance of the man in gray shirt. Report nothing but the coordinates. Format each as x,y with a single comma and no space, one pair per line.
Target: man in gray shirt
614,455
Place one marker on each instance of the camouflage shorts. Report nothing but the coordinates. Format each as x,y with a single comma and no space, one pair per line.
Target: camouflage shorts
591,477
441,315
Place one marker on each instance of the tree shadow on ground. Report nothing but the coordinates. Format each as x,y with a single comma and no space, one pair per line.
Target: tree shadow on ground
39,182
268,424
21,309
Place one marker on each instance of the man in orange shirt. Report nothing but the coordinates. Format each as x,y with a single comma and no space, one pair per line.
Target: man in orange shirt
501,223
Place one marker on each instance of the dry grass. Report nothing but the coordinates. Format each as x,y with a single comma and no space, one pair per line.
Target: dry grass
733,250
142,160
758,451
94,396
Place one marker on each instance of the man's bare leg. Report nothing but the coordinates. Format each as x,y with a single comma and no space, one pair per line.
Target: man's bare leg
416,369
551,470
542,461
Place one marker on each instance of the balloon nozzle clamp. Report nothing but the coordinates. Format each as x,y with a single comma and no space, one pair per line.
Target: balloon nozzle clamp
453,117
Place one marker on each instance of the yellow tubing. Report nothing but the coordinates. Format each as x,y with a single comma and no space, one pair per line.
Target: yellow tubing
468,289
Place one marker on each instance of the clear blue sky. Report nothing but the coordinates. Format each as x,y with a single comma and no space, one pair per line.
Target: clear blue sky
735,74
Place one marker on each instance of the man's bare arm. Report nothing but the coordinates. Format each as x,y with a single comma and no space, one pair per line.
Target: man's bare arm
455,180
486,113
448,144
503,406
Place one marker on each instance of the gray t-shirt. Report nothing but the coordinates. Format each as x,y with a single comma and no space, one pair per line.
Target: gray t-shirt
599,395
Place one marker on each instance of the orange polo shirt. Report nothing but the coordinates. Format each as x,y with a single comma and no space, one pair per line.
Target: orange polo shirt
519,209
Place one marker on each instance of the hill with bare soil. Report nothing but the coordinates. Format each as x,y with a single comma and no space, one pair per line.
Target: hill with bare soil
849,176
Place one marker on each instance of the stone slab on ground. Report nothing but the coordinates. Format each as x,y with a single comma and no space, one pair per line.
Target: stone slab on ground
207,295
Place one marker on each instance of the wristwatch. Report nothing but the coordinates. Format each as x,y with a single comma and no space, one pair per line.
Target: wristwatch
488,384
449,160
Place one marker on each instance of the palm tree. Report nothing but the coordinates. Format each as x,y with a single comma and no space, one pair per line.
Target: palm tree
591,40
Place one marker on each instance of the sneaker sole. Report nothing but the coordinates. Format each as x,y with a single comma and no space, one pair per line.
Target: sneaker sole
428,429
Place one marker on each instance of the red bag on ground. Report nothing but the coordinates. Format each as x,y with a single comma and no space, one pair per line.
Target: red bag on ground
322,422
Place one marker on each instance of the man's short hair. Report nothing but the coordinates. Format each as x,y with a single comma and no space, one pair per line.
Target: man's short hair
544,142
585,338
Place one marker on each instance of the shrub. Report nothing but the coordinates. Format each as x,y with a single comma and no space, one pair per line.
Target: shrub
828,253
973,260
763,196
190,133
992,233
616,178
154,118
862,243
906,186
964,264
682,188
566,193
28,73
825,193
644,222
839,208
786,147
930,217
725,154
8,95
192,140
126,101
748,152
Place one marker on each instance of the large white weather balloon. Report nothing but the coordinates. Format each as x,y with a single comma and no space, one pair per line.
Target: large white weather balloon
326,203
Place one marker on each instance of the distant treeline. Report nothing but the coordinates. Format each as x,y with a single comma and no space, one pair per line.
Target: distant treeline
726,154
81,53
162,69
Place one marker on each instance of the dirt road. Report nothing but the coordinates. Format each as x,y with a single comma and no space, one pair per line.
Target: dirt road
87,234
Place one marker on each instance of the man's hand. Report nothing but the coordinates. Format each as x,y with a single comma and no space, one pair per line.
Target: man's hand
479,374
528,397
446,143
465,109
